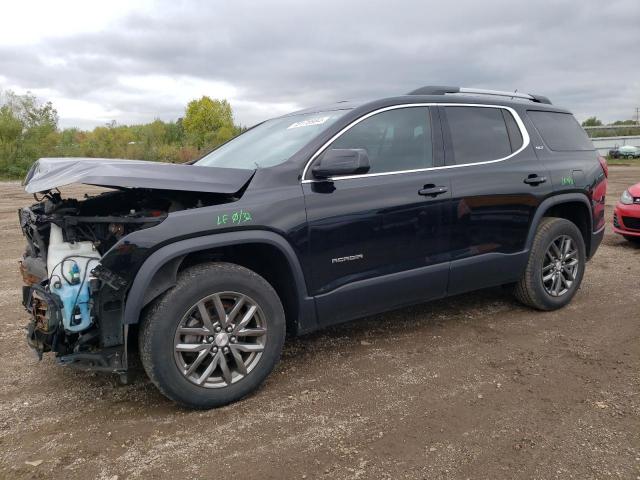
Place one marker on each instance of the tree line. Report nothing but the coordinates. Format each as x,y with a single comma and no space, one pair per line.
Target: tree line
29,130
622,128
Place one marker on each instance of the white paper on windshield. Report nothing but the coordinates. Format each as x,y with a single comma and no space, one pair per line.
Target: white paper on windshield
309,122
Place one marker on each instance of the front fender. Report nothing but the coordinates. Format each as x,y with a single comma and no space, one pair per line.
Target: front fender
171,254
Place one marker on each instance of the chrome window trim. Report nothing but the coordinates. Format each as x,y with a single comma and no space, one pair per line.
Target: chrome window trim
525,141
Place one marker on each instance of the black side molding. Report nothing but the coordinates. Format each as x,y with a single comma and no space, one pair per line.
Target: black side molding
162,257
556,200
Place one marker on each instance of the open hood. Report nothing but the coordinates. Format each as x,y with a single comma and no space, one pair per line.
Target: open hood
48,173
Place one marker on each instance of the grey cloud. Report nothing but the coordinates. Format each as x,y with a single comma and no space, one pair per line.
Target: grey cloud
580,53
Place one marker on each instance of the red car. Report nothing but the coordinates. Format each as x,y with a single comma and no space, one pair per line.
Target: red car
626,217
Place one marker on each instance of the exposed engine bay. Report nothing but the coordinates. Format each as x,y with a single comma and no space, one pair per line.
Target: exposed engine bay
74,301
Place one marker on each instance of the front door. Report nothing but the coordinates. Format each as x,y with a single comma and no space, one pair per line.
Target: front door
380,240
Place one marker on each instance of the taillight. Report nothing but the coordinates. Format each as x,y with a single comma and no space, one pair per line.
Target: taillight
603,164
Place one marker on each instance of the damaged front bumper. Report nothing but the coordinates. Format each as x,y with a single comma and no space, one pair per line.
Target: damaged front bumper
77,318
101,347
79,261
94,349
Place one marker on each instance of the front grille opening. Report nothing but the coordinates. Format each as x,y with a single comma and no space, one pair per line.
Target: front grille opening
631,223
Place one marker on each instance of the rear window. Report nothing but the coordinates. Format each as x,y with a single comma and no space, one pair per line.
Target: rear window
480,134
560,131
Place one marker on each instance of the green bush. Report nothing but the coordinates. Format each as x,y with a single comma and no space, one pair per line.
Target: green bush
29,130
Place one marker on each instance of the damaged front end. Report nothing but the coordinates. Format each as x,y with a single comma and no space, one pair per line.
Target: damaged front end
79,264
75,303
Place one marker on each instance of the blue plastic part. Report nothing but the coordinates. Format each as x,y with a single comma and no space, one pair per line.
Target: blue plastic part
75,273
74,298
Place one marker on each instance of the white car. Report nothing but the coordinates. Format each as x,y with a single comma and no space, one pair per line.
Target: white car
629,151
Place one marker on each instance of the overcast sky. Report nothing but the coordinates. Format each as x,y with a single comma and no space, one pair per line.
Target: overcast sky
133,61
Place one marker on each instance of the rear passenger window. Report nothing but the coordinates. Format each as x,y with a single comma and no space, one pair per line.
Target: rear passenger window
395,140
480,134
560,131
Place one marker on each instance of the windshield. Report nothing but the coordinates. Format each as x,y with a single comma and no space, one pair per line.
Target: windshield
271,142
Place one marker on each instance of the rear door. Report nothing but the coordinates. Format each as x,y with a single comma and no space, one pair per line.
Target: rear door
497,183
377,241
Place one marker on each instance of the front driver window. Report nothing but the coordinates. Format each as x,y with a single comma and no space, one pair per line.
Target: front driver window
395,140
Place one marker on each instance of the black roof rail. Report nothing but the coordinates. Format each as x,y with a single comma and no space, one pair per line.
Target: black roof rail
443,90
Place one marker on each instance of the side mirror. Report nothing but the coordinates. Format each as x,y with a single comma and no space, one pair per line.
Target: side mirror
341,161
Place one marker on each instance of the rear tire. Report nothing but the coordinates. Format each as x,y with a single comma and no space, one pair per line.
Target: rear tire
214,337
552,276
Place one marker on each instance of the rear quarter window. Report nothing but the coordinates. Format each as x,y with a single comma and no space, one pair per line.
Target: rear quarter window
560,131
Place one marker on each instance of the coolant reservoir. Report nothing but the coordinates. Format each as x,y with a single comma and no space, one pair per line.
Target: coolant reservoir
68,265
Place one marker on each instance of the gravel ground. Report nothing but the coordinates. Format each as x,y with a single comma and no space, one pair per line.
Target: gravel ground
474,386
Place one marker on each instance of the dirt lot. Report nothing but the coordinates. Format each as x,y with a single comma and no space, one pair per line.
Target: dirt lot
475,386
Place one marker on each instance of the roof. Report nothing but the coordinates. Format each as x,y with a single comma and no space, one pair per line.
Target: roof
341,105
445,95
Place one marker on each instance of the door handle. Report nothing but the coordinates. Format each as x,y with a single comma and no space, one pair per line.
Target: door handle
534,179
432,190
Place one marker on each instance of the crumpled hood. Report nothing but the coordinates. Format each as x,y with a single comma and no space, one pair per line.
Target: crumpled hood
48,173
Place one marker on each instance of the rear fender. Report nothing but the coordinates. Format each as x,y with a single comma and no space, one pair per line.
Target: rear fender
550,202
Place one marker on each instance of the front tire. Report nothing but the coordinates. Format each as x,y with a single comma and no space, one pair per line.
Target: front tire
214,337
556,266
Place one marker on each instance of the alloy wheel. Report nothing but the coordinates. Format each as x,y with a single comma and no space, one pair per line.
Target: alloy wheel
560,266
220,339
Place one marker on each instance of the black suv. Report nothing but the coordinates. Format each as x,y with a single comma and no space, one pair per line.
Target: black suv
307,220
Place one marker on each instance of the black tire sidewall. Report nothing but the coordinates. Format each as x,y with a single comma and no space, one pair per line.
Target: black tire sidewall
634,240
160,326
557,227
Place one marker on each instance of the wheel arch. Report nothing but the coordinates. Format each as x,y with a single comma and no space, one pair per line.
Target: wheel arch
267,253
574,207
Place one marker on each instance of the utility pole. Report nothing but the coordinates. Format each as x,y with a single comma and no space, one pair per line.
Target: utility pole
637,115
